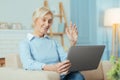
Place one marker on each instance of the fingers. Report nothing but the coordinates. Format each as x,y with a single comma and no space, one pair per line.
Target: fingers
73,28
75,33
63,63
64,68
68,33
67,30
66,61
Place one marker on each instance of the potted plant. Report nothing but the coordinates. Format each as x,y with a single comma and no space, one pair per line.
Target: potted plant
114,72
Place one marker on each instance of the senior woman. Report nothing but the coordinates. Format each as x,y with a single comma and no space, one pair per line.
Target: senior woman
40,52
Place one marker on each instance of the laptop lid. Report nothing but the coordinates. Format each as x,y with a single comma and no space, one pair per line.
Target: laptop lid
85,57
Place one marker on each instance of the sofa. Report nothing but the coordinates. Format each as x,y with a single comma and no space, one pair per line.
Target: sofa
13,71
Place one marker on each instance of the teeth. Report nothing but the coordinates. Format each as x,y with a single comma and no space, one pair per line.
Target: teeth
45,28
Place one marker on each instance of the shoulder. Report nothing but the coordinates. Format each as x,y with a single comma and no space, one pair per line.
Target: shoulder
27,39
24,42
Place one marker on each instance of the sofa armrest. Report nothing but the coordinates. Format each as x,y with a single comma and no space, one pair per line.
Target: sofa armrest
13,60
20,74
106,67
96,74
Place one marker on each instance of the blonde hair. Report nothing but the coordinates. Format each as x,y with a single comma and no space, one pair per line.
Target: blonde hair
40,12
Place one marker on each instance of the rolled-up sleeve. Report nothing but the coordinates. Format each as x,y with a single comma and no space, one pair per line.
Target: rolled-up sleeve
62,54
26,58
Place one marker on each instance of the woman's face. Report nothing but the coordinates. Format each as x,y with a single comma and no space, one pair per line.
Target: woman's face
42,24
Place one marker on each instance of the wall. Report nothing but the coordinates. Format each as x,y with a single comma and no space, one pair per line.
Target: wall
92,22
104,34
80,16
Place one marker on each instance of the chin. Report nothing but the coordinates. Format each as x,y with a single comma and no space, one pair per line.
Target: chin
44,32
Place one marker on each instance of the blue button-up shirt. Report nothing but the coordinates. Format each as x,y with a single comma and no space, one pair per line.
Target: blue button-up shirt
35,52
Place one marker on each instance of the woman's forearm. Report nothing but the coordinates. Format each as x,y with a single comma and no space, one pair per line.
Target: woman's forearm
50,68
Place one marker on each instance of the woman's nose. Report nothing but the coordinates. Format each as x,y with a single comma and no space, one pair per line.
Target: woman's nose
46,23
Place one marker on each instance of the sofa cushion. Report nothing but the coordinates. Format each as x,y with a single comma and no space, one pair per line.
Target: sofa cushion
94,74
13,61
20,74
106,67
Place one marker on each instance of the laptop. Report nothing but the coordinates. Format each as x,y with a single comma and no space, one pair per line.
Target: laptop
85,57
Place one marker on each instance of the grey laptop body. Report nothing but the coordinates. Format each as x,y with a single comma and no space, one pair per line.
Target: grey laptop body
85,57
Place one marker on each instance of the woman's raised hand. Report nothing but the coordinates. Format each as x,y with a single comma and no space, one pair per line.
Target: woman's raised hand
72,33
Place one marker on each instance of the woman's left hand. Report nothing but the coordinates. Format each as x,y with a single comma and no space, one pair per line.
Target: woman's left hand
72,33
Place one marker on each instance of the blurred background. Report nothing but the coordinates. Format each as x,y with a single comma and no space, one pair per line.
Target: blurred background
88,15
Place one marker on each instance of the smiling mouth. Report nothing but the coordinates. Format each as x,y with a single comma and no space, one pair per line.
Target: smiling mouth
45,28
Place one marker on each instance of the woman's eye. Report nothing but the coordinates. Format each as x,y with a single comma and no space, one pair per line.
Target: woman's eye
44,20
49,21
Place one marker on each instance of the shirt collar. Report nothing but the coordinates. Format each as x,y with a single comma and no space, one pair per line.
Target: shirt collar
31,36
